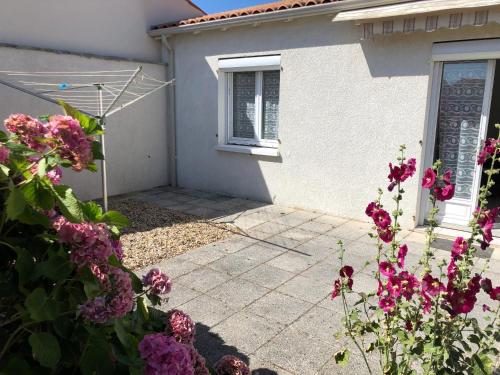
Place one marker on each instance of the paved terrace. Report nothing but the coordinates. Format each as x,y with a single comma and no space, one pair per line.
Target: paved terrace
264,294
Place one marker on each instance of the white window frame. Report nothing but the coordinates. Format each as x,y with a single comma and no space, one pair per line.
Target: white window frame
227,68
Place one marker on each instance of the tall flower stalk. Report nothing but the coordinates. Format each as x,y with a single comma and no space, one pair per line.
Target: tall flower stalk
424,321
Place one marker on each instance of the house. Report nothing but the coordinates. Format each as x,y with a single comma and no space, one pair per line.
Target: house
304,102
91,35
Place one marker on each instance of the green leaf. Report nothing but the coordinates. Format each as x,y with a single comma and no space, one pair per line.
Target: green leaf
92,211
15,204
38,195
115,218
55,268
96,359
32,217
68,203
45,349
143,308
24,265
342,357
40,307
89,125
4,172
42,167
97,150
483,365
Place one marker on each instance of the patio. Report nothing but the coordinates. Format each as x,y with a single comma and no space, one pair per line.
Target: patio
263,294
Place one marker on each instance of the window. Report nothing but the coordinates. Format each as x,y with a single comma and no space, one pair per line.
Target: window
249,107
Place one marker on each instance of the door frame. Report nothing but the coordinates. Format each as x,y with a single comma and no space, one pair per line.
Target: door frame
488,49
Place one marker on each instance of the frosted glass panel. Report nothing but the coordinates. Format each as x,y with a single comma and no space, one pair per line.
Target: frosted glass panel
244,105
460,106
270,104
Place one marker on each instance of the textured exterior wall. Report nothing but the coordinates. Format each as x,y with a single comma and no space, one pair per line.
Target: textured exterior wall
136,136
104,27
345,106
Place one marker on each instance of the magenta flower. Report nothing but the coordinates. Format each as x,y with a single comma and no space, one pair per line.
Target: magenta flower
432,286
486,307
488,150
394,286
452,270
401,173
231,365
372,206
408,283
444,193
387,269
55,175
387,304
381,218
429,178
121,300
385,235
495,294
117,249
346,271
447,177
199,363
180,326
164,355
158,281
461,302
427,303
95,310
29,131
337,285
486,285
459,247
403,250
4,154
486,220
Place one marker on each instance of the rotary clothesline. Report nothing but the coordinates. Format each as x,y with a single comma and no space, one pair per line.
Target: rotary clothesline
98,94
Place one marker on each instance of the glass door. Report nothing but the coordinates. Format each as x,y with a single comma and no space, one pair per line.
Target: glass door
462,119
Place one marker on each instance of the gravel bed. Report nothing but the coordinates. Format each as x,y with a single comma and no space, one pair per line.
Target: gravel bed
158,233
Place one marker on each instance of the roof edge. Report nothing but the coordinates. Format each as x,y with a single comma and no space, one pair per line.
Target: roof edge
195,6
333,7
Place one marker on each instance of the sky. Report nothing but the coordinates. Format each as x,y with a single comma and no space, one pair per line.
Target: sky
214,6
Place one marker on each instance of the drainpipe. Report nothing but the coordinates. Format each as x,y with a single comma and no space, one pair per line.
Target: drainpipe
171,119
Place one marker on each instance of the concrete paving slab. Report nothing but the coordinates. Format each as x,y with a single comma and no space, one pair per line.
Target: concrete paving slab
305,289
267,276
234,265
293,262
207,310
203,279
238,293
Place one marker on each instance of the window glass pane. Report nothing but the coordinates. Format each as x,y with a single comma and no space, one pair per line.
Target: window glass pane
270,104
460,106
244,105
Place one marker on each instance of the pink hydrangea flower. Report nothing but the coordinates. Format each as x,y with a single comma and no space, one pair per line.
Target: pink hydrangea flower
158,281
231,365
122,295
164,355
95,310
429,178
199,363
89,242
403,250
73,145
55,175
117,249
28,130
4,154
181,326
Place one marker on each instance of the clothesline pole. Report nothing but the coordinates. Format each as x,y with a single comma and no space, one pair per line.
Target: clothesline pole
103,149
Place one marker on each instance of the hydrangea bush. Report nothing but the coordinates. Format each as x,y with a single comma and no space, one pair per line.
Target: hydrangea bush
68,305
419,319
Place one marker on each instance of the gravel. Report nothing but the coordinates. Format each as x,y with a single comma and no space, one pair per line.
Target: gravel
158,233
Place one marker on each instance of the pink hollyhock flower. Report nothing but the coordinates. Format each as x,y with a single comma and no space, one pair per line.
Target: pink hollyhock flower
462,302
444,193
486,220
495,294
429,178
4,154
231,365
403,250
158,281
387,269
95,310
474,284
488,150
401,173
73,145
199,363
164,355
459,247
28,130
487,285
408,283
427,303
380,289
337,285
447,177
381,218
432,286
452,270
370,209
411,167
180,326
55,175
387,304
385,235
394,286
346,271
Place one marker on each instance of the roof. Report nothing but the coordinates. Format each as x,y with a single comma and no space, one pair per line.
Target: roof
258,9
195,6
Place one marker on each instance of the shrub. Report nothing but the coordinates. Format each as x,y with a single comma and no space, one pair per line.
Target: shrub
68,305
422,322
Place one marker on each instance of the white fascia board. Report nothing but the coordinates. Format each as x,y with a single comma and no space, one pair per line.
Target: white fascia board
242,64
466,50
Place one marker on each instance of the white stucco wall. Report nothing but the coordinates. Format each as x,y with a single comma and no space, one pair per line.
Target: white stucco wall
103,27
136,137
345,107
